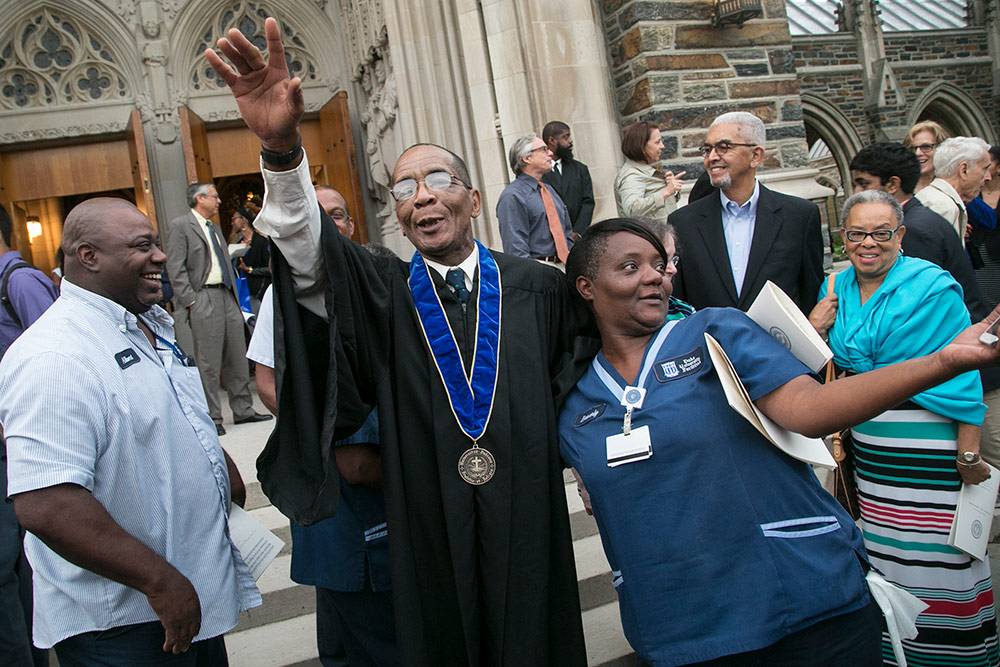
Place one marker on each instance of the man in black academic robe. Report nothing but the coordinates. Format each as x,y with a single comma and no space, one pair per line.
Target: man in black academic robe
482,575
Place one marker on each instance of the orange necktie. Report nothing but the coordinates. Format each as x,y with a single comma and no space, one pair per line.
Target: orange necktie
555,224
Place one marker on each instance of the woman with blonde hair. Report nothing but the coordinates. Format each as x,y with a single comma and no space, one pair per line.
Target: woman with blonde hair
924,138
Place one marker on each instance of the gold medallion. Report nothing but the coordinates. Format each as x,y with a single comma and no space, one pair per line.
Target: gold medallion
476,465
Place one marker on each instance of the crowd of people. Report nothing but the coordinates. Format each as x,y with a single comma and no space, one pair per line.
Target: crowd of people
425,409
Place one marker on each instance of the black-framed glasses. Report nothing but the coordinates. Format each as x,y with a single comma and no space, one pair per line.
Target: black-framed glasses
925,148
880,235
720,148
436,180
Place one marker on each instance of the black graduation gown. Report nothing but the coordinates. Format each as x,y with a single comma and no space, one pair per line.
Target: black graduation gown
481,575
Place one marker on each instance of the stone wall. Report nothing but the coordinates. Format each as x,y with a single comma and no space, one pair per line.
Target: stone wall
671,66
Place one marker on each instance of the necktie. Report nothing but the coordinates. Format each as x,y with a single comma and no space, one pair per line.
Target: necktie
555,224
219,255
558,170
455,279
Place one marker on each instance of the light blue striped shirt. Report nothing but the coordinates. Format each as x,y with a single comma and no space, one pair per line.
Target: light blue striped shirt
86,400
738,223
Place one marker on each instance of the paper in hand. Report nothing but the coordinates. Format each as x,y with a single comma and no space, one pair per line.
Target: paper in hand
808,450
257,544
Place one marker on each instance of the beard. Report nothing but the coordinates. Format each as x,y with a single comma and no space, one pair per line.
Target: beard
722,182
564,153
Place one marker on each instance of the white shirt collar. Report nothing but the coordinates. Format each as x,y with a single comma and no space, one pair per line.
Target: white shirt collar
557,164
468,266
199,217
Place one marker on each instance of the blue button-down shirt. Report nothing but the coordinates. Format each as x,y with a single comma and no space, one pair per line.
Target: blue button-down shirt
86,400
30,293
524,227
738,224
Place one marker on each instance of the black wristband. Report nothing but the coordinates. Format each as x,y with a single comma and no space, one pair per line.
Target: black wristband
281,159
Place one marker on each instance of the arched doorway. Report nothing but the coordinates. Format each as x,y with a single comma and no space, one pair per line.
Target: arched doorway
954,110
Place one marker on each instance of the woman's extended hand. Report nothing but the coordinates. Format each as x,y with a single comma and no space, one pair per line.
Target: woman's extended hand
824,314
673,182
966,352
973,474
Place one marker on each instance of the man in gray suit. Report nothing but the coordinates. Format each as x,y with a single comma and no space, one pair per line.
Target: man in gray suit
205,290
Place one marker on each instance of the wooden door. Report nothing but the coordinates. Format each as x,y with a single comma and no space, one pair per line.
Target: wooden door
194,140
340,159
140,167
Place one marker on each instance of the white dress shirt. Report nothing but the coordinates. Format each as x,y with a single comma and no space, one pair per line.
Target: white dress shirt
738,222
214,271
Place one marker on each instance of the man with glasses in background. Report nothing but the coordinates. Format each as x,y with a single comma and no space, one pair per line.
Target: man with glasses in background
204,284
534,221
734,242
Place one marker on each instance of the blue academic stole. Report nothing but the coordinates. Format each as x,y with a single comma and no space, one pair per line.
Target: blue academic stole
469,396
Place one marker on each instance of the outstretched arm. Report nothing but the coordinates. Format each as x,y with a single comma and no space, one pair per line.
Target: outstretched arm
271,104
805,406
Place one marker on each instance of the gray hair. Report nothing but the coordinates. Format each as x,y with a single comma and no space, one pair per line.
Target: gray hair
519,150
751,127
953,152
871,197
194,190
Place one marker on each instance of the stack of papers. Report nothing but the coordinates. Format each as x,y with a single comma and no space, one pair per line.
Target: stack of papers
970,531
778,315
809,450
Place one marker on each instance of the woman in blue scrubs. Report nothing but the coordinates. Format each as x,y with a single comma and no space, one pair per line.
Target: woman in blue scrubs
725,550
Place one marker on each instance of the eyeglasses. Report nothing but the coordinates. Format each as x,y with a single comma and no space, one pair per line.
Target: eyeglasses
720,148
674,260
436,180
536,149
880,235
338,214
925,148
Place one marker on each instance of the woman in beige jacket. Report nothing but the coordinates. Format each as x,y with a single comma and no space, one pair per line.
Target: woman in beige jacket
642,190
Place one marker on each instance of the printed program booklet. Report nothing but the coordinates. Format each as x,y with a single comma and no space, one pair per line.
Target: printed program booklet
970,531
796,445
778,315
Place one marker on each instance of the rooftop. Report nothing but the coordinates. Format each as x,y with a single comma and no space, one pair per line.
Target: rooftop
819,17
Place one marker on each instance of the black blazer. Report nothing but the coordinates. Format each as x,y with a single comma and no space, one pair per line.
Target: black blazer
787,249
931,237
576,190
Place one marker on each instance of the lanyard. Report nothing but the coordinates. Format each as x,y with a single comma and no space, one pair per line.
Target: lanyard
632,397
176,349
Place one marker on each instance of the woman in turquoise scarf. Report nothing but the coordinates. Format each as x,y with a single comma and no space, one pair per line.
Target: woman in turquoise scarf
911,462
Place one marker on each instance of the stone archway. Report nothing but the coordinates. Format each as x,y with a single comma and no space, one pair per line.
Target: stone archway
954,110
824,122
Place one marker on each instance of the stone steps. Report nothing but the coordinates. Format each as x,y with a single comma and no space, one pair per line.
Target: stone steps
282,631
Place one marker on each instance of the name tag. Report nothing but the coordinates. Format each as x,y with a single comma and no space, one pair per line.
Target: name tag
636,446
590,414
666,370
127,357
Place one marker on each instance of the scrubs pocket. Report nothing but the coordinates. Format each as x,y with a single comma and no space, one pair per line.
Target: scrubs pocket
808,526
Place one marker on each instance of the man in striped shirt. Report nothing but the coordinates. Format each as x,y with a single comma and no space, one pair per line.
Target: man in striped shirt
114,466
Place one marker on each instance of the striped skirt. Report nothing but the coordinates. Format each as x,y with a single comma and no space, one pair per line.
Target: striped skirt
907,490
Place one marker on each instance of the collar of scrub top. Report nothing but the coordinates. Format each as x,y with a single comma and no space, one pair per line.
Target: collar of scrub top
616,389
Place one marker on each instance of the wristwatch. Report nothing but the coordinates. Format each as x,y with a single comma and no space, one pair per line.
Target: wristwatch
968,459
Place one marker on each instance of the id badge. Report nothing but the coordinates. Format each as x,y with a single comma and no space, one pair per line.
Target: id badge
636,446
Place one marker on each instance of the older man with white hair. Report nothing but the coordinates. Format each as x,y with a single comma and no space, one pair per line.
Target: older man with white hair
534,221
961,165
734,241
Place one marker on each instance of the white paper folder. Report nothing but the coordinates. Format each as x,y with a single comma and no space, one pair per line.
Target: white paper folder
970,531
778,315
796,445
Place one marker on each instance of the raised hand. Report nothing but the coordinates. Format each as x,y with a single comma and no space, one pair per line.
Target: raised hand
268,99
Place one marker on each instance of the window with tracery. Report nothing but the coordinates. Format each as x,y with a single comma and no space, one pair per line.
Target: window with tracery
52,60
248,17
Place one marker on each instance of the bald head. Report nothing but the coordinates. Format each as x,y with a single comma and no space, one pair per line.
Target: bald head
335,206
110,248
90,221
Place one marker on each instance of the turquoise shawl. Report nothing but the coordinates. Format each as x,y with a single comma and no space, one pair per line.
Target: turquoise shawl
916,311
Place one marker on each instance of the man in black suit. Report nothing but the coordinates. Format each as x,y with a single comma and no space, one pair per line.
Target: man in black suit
734,242
893,168
569,177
